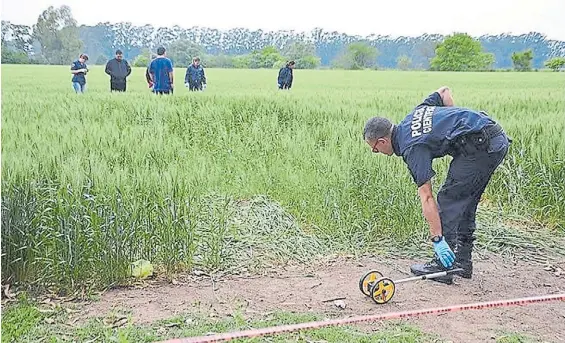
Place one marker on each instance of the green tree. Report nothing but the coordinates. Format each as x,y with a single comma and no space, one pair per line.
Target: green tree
460,52
303,53
57,32
143,59
219,61
22,38
268,57
182,51
403,62
555,63
241,61
523,60
358,55
14,57
308,62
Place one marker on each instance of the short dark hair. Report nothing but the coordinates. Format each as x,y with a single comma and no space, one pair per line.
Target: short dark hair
119,52
291,63
161,51
196,58
85,56
377,127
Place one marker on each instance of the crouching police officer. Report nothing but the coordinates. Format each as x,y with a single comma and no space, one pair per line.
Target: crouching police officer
478,145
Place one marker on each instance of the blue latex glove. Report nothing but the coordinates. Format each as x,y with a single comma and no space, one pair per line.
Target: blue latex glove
444,253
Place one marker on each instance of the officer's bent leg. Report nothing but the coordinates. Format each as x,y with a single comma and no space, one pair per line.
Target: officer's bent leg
488,162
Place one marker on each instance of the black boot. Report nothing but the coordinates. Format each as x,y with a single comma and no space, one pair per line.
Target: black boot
463,252
434,266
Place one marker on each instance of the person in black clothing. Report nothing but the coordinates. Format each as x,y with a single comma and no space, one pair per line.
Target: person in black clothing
118,69
285,76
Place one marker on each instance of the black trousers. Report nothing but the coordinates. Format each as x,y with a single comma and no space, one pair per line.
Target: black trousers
195,86
475,159
117,86
170,91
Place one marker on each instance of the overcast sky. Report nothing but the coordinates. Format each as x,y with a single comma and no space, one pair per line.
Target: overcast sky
363,17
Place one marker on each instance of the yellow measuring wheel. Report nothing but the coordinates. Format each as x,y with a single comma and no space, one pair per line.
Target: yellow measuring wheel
366,282
381,289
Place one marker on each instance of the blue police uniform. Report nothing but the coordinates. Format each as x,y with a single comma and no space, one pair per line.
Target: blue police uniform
195,77
285,78
477,144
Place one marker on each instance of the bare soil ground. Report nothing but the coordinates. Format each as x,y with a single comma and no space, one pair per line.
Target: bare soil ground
312,288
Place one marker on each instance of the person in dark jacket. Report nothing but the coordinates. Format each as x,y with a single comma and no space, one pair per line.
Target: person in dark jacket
195,79
119,70
285,76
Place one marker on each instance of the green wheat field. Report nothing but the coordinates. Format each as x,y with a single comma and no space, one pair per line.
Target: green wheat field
241,174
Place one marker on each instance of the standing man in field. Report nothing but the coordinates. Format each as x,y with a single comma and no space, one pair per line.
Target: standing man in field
195,79
478,145
161,72
79,70
285,76
119,70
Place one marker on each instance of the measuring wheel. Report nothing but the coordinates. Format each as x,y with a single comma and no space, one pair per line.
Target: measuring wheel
382,290
367,281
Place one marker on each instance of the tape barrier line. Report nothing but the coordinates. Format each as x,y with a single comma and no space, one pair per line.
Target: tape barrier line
368,318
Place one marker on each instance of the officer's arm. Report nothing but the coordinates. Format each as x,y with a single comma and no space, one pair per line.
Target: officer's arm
152,72
290,79
147,76
108,69
429,208
441,97
419,161
171,72
75,69
445,94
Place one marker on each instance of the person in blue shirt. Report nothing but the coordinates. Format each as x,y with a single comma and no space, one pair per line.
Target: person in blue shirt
478,145
195,78
79,70
286,77
161,72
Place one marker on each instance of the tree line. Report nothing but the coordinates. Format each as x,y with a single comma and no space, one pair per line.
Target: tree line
57,38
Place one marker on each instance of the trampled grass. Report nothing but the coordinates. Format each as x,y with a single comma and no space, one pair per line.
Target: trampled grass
241,173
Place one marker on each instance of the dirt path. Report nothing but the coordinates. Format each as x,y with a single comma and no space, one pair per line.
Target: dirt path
305,289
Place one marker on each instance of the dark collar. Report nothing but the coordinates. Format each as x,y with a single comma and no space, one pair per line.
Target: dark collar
394,140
